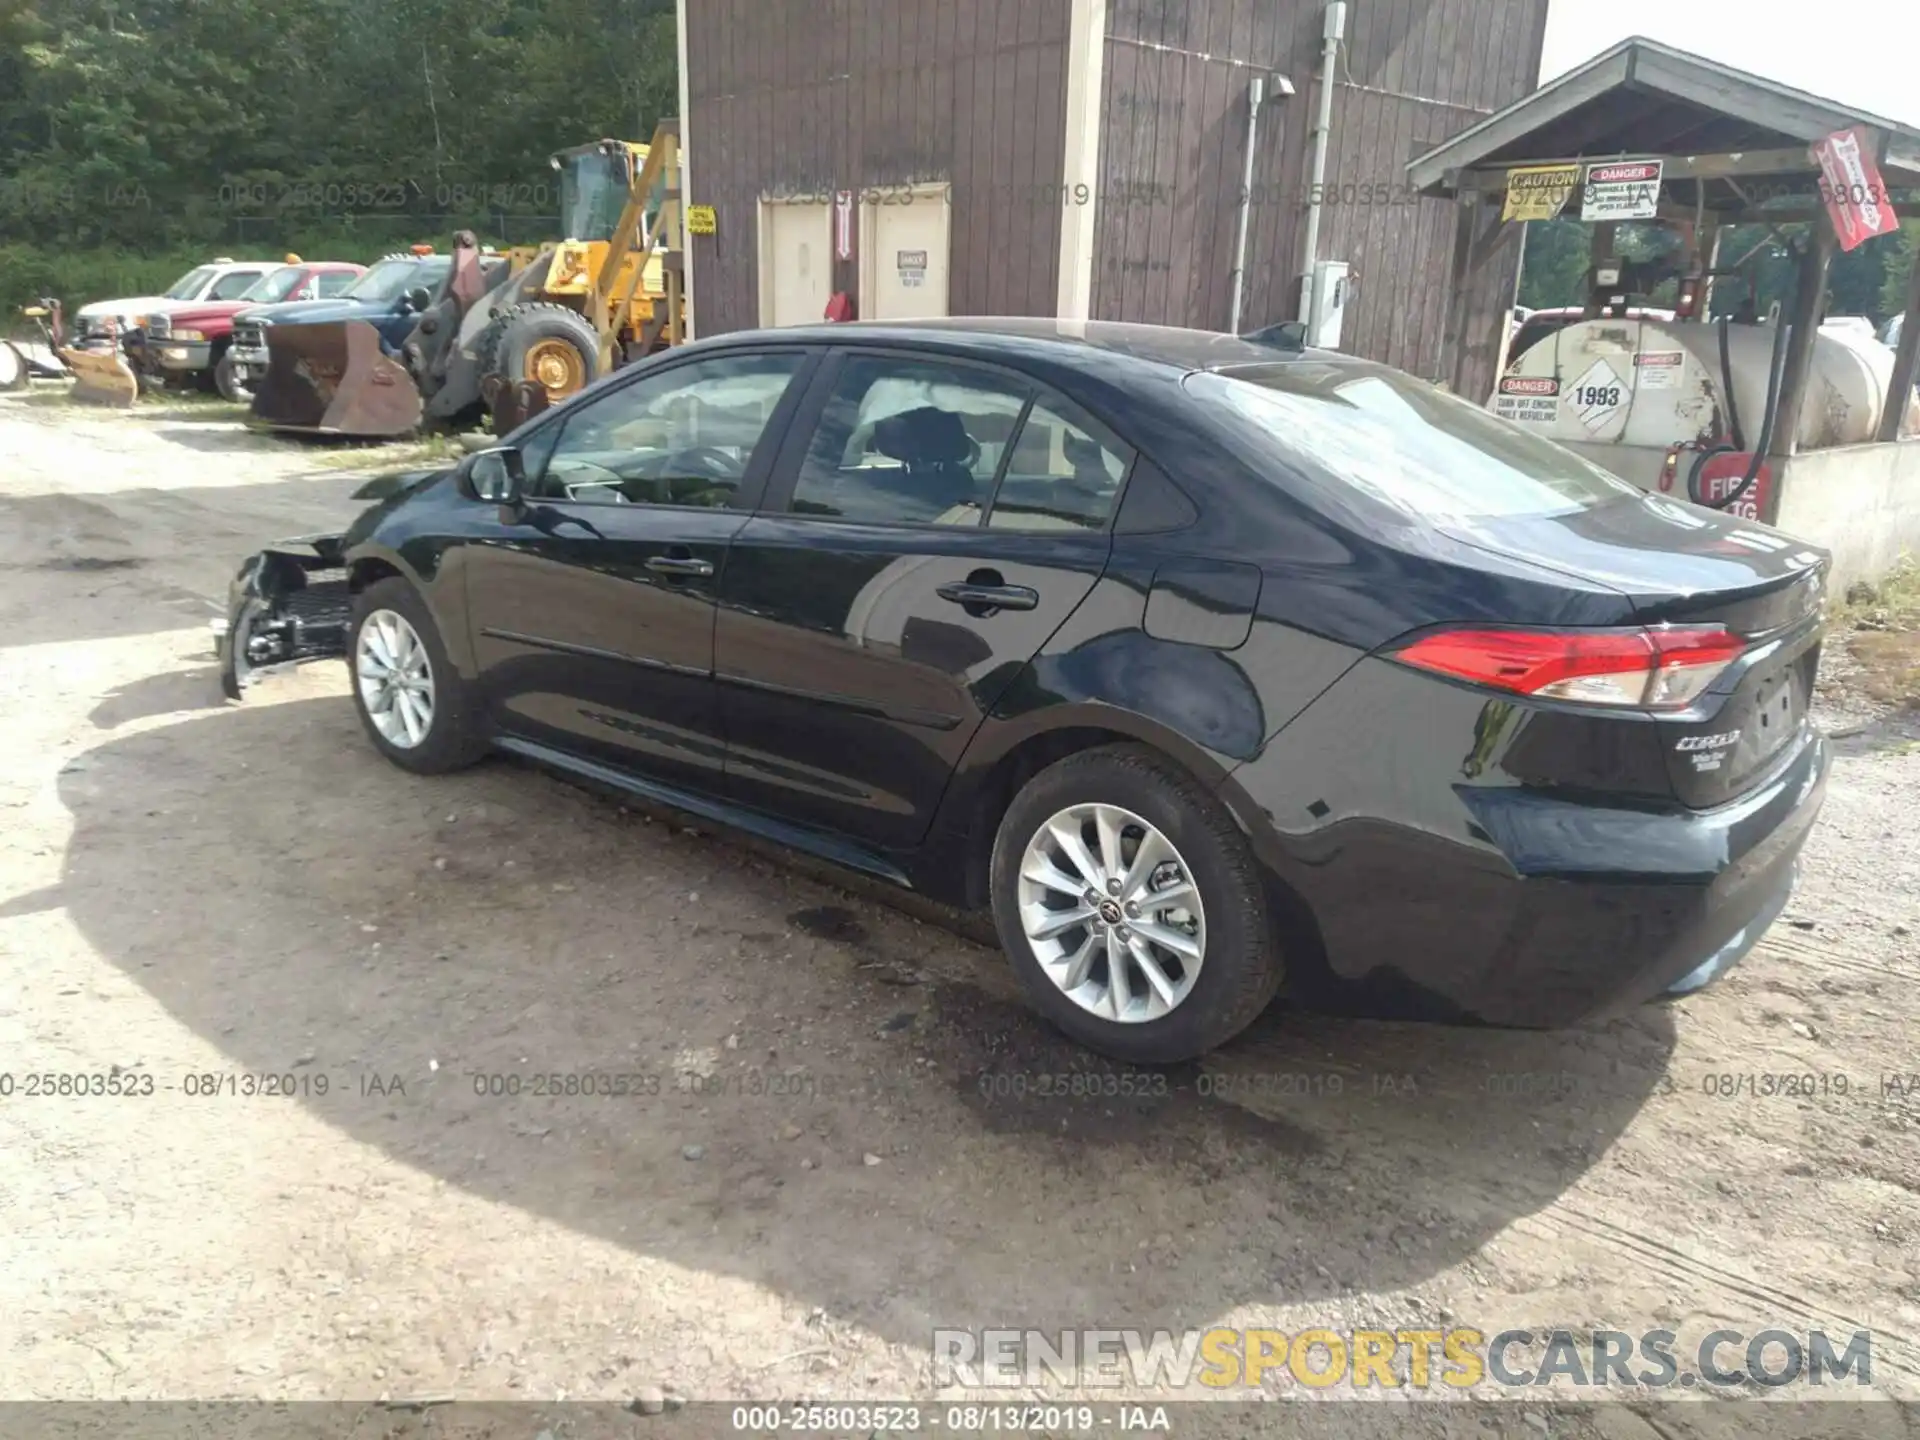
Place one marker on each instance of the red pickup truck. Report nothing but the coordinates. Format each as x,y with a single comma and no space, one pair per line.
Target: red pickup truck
190,341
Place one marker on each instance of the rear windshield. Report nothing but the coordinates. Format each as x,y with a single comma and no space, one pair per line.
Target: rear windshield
1355,428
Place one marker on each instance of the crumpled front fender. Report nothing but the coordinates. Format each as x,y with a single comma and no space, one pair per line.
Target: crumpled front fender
289,604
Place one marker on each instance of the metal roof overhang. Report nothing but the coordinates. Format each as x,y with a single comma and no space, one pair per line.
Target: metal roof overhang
1642,98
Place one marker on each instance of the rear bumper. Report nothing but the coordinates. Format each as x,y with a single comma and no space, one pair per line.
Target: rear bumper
1617,908
1542,912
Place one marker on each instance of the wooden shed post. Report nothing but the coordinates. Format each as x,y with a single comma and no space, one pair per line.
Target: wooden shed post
1453,336
1906,360
1809,306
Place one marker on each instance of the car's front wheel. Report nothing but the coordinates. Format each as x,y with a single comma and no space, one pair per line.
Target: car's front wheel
1131,907
418,710
231,381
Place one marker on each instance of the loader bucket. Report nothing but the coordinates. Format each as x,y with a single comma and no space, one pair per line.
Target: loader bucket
101,376
334,379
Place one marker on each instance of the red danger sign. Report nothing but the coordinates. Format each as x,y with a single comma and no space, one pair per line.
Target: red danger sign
1528,385
1638,172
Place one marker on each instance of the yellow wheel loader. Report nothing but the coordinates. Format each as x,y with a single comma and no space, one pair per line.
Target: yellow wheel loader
507,334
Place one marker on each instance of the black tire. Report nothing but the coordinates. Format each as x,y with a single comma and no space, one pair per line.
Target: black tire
228,380
13,368
1240,971
454,738
503,345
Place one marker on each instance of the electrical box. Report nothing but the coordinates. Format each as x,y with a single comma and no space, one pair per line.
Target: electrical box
1332,285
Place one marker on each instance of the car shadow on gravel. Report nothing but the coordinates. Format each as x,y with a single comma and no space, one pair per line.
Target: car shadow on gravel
674,1043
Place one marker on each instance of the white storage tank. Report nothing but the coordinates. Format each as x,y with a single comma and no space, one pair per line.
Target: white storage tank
1654,384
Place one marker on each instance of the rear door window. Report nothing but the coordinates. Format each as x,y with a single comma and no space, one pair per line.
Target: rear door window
1352,430
905,441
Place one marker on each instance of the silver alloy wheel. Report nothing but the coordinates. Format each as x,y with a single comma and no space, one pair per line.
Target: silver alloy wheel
396,679
1112,914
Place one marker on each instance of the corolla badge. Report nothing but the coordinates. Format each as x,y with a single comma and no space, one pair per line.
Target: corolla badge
1708,751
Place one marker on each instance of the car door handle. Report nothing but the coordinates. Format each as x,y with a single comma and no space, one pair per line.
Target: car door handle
680,565
989,597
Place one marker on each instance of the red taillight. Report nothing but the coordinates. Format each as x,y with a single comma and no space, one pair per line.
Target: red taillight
1663,668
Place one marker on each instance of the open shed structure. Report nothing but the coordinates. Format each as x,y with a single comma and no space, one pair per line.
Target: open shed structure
1733,149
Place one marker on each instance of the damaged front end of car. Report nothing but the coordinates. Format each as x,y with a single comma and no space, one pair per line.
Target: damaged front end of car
289,604
293,601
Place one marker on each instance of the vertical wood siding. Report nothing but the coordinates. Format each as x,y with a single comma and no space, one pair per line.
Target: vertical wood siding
1412,73
814,96
807,97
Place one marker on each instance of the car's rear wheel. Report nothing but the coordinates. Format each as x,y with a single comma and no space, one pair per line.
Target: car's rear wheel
1132,908
418,711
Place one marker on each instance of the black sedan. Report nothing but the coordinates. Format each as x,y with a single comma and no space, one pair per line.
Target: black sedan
1209,668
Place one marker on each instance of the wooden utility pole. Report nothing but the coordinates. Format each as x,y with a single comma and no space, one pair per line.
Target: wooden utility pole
1906,360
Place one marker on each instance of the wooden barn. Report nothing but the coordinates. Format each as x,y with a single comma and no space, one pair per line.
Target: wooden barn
1142,160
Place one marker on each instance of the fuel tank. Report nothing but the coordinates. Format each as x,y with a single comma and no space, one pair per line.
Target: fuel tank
1652,383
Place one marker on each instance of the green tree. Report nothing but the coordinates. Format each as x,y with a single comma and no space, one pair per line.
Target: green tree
139,130
1902,254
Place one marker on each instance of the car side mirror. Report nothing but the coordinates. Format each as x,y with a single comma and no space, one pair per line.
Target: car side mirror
498,476
419,298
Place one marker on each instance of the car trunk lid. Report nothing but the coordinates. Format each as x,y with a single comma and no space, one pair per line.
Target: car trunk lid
1683,565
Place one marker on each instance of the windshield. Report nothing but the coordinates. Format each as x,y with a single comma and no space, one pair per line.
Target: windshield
1351,427
275,284
188,286
593,192
391,279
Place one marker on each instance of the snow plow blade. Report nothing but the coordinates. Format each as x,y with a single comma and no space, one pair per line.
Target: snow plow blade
334,379
101,376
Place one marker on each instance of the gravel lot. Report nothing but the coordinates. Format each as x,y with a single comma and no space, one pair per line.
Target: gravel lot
819,1169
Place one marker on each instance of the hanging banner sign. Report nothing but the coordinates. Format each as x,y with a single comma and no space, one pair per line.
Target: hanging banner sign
1539,192
1850,183
1621,190
843,225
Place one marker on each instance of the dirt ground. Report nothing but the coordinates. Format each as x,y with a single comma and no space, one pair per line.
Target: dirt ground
820,1165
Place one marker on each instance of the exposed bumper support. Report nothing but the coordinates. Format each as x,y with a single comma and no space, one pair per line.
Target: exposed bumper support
289,604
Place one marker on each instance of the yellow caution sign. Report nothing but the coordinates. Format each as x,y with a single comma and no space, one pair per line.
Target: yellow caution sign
701,220
1539,192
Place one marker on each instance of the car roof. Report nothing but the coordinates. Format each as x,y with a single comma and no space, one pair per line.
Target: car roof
1165,346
